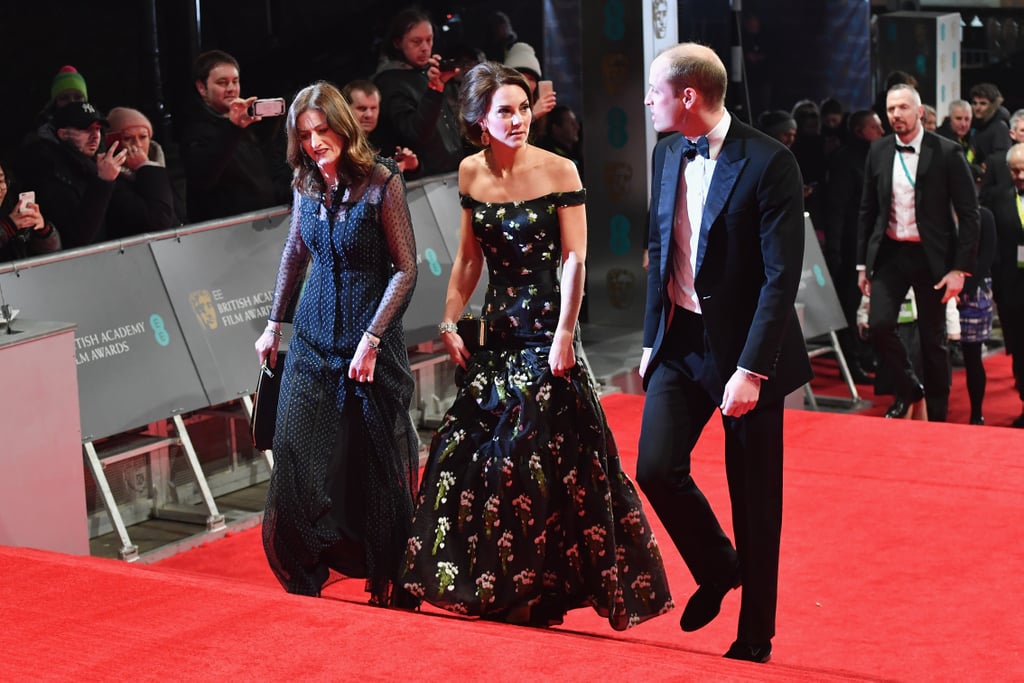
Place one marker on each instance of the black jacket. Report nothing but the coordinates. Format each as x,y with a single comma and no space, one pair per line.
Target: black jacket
230,170
414,116
945,204
748,262
68,190
142,202
844,182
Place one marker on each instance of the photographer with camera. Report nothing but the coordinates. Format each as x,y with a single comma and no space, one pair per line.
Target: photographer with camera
415,111
24,232
231,167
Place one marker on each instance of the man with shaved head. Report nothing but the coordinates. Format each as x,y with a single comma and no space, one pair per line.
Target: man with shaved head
720,332
918,227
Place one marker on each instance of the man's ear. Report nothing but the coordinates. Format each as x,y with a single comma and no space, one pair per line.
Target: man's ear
201,89
688,97
62,134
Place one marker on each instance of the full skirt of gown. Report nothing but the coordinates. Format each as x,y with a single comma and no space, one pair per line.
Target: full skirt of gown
524,511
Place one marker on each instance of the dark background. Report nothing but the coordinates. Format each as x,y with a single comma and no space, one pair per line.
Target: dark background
280,45
283,45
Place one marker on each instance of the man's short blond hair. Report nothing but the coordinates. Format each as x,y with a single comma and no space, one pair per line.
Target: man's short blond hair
692,65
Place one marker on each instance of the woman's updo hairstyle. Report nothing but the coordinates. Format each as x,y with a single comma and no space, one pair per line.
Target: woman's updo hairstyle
478,87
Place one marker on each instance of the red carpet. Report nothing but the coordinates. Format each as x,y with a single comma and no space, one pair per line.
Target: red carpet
1000,407
900,562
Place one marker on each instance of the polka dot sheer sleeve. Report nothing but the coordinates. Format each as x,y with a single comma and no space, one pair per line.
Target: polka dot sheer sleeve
294,260
396,224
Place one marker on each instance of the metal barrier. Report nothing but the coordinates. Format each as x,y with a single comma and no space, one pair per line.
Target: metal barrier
166,322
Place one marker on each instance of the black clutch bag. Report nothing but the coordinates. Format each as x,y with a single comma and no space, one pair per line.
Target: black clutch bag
264,408
473,331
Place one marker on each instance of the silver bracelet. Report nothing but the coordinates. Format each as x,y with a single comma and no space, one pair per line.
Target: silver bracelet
276,333
447,327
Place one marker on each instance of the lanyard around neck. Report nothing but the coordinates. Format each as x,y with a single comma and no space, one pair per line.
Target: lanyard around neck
906,171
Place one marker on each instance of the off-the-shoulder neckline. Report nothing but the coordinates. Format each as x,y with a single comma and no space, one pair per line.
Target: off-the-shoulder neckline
523,201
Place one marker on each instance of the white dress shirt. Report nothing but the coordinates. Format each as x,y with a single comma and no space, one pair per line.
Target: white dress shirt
902,214
694,183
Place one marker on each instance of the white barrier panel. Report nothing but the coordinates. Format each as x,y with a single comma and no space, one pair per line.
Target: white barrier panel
133,364
167,321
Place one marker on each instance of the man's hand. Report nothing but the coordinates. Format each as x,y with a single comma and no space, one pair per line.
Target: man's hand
239,112
436,78
863,283
741,394
108,164
544,104
953,281
406,159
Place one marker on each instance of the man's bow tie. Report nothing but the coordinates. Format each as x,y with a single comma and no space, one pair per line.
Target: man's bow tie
700,147
905,148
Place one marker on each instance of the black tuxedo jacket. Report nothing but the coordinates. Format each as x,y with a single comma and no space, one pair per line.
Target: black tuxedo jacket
944,195
1007,278
749,261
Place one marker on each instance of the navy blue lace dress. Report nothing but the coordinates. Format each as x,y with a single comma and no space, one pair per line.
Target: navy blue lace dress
524,511
341,492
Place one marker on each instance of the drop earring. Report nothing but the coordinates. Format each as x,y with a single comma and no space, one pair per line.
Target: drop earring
485,139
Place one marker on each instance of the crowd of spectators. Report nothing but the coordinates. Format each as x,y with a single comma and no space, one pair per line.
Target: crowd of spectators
98,174
831,146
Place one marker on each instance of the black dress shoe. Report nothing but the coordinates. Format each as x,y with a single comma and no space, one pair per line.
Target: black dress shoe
980,420
1019,422
705,603
902,404
747,652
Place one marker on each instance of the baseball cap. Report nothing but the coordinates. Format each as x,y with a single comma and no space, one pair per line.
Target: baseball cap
79,115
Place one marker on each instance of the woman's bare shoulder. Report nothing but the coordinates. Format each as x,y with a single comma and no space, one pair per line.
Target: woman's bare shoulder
560,174
470,169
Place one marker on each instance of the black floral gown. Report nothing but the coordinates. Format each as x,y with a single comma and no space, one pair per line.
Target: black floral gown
341,491
524,511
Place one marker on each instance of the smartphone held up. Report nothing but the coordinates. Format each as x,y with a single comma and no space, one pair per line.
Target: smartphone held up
25,199
275,106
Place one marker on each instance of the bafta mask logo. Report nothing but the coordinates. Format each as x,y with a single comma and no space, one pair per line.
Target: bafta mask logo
617,176
660,16
615,69
202,305
621,287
